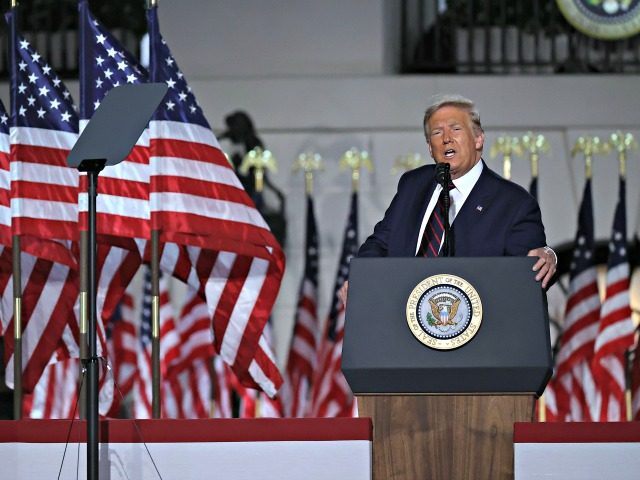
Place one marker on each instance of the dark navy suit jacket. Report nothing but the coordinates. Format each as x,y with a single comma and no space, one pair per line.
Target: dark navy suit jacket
499,218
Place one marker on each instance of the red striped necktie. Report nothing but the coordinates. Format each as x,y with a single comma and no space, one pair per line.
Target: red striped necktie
432,236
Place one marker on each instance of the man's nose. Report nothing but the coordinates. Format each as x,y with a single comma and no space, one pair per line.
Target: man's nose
446,138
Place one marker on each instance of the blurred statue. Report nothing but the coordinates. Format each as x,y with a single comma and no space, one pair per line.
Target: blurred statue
271,201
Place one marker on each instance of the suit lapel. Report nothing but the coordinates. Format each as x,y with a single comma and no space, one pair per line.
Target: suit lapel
478,201
419,207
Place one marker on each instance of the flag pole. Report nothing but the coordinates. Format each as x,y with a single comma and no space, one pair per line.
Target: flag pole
589,146
92,169
155,322
15,243
84,268
308,162
260,160
84,239
355,160
535,144
622,143
507,146
155,277
17,329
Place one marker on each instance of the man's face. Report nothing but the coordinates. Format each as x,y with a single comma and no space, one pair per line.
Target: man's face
453,140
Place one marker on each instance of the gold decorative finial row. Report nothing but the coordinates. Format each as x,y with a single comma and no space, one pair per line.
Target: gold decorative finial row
535,144
506,146
623,142
308,162
590,146
260,160
356,160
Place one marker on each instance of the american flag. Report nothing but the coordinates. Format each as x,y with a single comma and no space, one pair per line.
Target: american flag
43,208
194,331
187,385
188,393
5,218
222,395
573,382
214,238
122,207
304,345
245,400
169,346
616,329
5,182
122,341
331,396
44,128
56,393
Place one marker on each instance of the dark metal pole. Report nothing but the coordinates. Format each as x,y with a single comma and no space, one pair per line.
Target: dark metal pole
155,323
84,288
155,267
17,280
17,329
92,167
92,384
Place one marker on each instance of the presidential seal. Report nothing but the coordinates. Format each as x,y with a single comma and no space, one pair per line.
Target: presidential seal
603,19
444,312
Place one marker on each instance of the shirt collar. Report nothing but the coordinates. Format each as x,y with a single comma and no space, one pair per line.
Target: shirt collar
466,182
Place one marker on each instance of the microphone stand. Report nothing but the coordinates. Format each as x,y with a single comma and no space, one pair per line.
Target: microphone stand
443,177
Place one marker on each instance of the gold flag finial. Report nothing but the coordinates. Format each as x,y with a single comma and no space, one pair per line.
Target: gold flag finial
590,146
406,162
309,162
356,159
506,146
535,144
623,142
260,160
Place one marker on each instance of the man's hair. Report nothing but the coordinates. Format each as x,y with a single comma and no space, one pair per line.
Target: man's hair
454,100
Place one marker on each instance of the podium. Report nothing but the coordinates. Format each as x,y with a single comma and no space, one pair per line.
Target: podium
445,413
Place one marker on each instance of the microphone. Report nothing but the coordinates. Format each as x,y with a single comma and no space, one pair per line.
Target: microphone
443,177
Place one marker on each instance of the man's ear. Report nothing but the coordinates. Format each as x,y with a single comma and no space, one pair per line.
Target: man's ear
430,150
479,141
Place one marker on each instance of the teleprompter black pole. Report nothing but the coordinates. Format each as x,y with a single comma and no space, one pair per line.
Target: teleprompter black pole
93,168
106,141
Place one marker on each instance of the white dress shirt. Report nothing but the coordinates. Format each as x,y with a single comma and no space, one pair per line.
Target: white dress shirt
458,195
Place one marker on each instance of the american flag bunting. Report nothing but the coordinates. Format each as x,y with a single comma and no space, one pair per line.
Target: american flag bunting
331,396
122,206
304,344
616,329
214,238
43,209
573,382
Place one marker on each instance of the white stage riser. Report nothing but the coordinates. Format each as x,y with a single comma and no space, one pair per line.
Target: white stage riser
280,460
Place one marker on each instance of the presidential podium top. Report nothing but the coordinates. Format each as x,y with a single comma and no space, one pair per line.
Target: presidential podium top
412,326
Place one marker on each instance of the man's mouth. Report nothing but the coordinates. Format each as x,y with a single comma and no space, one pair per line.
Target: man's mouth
449,153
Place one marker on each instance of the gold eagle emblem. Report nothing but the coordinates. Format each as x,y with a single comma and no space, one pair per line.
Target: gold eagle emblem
444,316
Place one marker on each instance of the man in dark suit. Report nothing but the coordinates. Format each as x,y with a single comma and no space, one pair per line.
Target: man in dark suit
489,216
